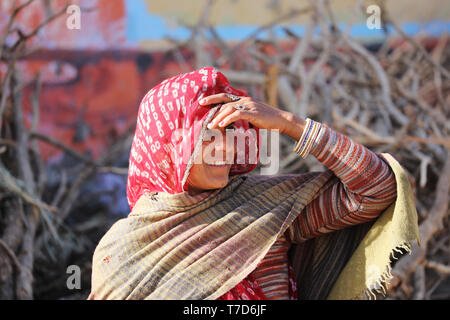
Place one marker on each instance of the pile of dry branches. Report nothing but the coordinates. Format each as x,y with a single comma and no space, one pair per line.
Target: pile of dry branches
393,99
36,243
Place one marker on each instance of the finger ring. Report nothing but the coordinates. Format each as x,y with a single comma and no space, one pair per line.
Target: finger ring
240,107
233,97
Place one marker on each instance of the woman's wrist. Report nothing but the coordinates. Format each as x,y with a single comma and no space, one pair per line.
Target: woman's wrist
308,139
294,125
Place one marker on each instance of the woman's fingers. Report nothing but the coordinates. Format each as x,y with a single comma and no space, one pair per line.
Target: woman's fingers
258,114
230,118
225,110
218,98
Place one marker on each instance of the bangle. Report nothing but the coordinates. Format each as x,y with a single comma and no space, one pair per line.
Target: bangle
310,139
309,135
301,141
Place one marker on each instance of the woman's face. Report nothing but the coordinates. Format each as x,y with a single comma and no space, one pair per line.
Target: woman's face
211,168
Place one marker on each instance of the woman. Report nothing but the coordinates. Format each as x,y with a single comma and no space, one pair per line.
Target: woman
201,228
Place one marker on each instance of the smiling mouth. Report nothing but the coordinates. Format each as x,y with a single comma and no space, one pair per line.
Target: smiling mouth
219,164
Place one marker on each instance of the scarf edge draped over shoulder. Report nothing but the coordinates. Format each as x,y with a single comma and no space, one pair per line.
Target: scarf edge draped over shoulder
368,271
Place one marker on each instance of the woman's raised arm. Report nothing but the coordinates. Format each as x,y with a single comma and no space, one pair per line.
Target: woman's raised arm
363,187
364,184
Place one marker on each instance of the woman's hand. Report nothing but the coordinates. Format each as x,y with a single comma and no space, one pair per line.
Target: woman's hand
259,114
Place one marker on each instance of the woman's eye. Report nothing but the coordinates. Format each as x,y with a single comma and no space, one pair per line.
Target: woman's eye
209,134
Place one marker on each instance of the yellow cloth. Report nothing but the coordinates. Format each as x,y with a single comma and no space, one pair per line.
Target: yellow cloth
369,268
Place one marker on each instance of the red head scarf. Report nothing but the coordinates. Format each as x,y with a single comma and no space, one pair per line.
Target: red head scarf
169,123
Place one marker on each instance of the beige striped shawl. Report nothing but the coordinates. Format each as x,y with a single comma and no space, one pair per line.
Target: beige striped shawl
198,247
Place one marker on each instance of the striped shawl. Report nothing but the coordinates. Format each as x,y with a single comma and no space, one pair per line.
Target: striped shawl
178,246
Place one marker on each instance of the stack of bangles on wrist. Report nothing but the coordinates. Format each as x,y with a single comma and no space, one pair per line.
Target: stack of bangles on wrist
309,135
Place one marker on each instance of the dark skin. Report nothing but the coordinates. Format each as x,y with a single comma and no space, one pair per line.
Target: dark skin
204,176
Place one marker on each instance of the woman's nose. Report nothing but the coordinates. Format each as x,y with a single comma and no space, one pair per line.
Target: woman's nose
222,148
226,147
229,148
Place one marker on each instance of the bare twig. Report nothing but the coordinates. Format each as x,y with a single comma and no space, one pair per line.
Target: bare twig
11,255
439,267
